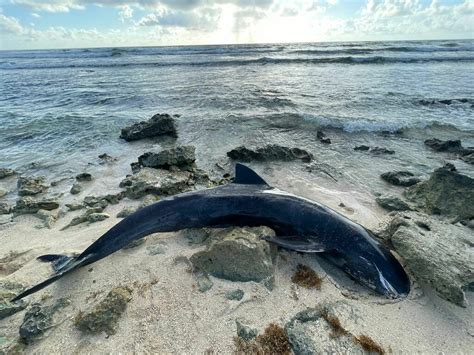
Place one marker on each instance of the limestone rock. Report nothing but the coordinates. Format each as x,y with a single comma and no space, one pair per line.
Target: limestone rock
3,192
159,124
97,217
39,319
392,203
444,146
5,208
245,331
400,178
446,192
238,254
29,204
381,150
204,283
28,186
49,218
105,315
127,211
157,182
183,156
437,253
234,295
362,148
76,189
5,172
8,290
84,177
269,152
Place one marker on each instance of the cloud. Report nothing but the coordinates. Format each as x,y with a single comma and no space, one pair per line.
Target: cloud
204,20
10,25
125,13
34,14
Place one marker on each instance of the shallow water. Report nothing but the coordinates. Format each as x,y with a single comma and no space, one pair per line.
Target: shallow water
60,109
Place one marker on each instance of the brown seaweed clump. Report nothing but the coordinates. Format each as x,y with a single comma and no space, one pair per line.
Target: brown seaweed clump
105,315
335,324
369,345
273,341
306,277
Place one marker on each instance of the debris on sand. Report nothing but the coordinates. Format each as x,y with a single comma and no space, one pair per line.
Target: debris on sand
306,277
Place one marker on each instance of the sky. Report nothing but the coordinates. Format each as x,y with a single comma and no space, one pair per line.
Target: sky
44,24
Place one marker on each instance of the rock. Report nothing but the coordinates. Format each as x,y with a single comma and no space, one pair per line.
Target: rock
85,217
269,152
84,177
322,137
157,182
468,158
238,254
446,192
245,331
149,200
315,331
5,208
97,217
438,145
156,249
29,204
362,147
39,319
5,172
74,206
49,218
3,192
381,150
105,315
235,295
392,203
76,189
28,186
107,159
437,253
96,201
325,140
195,236
159,124
400,178
8,290
183,156
127,211
204,283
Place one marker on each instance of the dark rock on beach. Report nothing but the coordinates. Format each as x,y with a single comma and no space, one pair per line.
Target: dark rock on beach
28,186
446,192
322,137
159,124
381,150
181,157
5,172
400,178
8,290
237,254
436,252
362,148
438,145
39,319
76,189
84,177
105,315
29,204
392,203
5,208
270,152
157,182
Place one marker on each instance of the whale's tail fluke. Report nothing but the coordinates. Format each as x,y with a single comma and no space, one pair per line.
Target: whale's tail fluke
62,264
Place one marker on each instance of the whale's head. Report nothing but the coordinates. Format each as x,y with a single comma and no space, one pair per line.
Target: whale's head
377,269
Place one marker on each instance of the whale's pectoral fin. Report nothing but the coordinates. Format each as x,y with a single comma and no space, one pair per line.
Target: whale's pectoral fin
245,175
58,261
297,243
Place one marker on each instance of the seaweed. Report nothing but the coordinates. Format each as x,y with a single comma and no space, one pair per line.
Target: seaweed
368,344
335,324
273,341
306,277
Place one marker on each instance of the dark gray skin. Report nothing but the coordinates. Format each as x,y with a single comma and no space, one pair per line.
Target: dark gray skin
300,225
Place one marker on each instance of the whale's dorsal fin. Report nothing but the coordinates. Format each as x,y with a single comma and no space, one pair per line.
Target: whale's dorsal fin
245,175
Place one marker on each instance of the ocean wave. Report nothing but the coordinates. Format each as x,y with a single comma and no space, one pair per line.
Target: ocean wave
261,61
394,49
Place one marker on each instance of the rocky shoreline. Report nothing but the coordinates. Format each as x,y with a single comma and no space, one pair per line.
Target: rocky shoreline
428,223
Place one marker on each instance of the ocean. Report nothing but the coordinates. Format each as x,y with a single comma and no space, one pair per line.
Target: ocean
60,109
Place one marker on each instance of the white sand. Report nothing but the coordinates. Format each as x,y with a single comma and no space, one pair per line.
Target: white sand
174,317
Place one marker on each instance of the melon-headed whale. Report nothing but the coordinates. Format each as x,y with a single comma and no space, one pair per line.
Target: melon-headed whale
300,225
